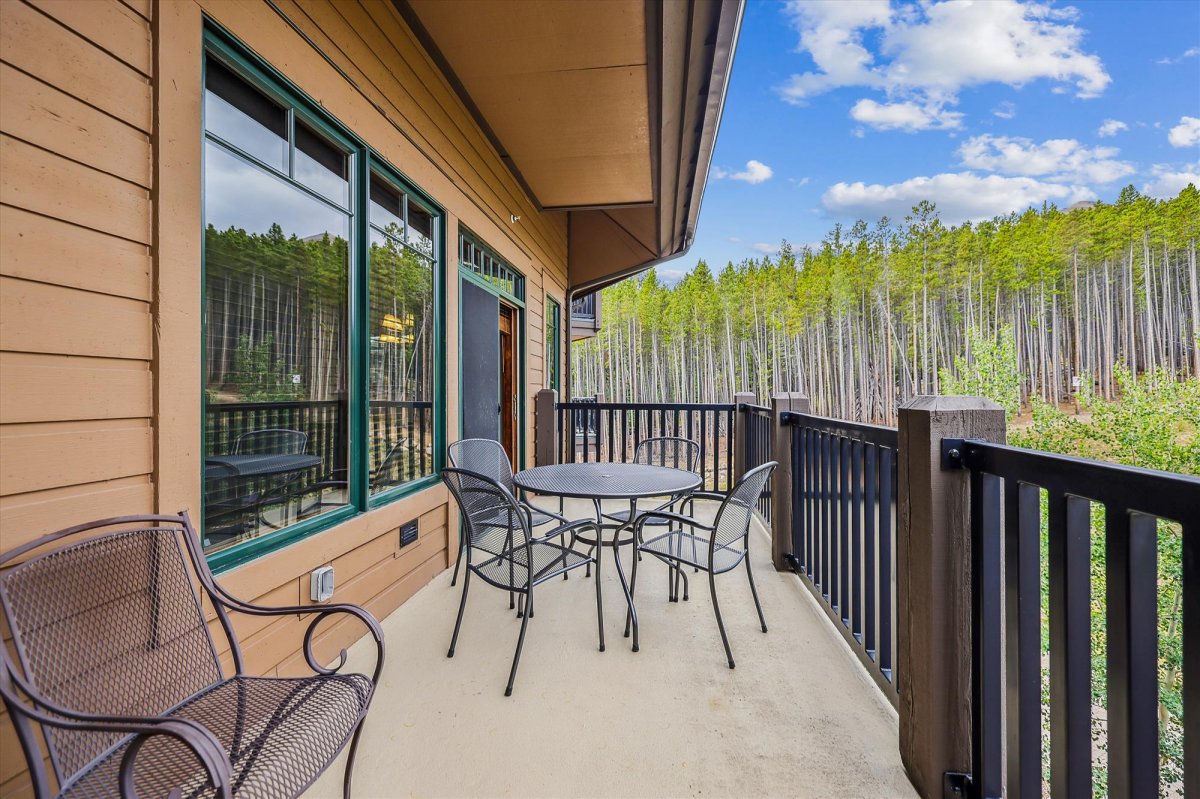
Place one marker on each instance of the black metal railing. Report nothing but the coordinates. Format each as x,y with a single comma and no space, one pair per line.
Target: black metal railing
1133,507
590,431
843,532
757,446
584,306
409,424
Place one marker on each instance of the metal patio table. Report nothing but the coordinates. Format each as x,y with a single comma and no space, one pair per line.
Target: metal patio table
601,481
222,467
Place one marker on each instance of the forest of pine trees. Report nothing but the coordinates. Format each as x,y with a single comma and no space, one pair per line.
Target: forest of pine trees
877,314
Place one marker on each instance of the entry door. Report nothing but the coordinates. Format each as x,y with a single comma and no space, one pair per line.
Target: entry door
509,405
480,359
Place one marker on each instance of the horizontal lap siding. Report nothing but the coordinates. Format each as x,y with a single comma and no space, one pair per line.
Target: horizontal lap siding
76,329
77,279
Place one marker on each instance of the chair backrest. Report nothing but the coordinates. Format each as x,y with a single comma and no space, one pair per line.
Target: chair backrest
672,451
493,520
271,441
735,513
110,624
483,456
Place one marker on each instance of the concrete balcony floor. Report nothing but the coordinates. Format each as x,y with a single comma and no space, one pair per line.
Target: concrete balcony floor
797,717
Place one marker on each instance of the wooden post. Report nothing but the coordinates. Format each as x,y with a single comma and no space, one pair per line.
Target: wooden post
739,433
781,481
933,586
545,428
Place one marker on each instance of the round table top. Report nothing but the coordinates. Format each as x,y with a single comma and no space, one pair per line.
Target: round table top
607,480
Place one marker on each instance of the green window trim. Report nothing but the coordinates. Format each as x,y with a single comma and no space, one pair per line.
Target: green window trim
553,322
220,45
491,271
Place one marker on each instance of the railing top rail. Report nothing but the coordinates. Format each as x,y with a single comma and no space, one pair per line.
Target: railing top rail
861,431
590,405
752,408
1166,495
266,406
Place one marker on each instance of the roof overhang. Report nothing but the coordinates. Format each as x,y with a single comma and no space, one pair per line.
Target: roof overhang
606,110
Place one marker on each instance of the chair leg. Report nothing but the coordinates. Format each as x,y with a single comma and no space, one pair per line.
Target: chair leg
599,611
462,605
632,588
683,574
349,774
753,590
587,572
457,562
512,675
712,587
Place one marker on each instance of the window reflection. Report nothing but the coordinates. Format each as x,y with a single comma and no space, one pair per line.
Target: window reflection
275,262
401,348
322,166
244,117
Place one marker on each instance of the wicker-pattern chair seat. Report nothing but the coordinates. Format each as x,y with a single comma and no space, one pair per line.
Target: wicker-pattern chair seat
285,733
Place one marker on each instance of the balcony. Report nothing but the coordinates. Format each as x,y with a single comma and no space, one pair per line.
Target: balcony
670,720
585,316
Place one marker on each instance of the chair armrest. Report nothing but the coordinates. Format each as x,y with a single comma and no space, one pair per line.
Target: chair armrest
231,602
671,517
569,527
713,495
529,506
195,736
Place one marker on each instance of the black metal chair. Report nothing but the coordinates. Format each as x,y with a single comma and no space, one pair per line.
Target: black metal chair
670,451
725,547
117,674
510,557
487,457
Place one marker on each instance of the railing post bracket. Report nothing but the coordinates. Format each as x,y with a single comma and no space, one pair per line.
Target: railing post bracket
956,785
953,454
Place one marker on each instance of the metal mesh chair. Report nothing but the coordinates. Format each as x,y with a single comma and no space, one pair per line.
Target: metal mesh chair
117,674
502,551
724,547
487,457
670,451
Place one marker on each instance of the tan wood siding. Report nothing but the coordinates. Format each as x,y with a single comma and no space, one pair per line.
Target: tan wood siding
100,276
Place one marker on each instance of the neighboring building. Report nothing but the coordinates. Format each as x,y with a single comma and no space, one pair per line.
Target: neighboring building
337,234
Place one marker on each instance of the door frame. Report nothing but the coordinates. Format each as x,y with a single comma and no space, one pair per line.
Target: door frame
518,305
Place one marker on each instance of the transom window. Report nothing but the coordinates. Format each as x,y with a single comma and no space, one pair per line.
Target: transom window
480,259
319,397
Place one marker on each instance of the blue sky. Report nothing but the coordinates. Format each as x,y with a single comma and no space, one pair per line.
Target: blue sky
847,110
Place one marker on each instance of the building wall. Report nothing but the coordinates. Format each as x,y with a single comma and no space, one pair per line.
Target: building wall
100,284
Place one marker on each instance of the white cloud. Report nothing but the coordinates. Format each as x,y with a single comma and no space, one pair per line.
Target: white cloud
755,172
1186,133
929,52
1111,127
1057,160
1006,110
1191,52
960,196
764,248
906,116
1169,181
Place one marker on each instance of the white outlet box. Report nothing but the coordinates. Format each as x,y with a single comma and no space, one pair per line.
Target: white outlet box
321,584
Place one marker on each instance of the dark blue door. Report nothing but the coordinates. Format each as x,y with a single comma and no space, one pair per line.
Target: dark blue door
480,359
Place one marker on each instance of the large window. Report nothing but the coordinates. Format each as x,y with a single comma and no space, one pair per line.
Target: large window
319,395
553,342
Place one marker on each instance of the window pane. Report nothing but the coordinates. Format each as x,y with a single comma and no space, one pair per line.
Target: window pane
275,263
552,343
245,117
387,207
420,229
322,166
402,366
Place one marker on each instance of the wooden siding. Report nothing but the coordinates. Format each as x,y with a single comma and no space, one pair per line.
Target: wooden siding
100,289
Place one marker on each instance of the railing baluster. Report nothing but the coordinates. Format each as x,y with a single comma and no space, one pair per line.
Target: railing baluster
1131,558
1070,643
1190,585
985,613
887,478
844,531
856,494
1023,610
869,566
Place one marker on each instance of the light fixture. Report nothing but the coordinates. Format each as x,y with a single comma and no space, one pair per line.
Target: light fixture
514,218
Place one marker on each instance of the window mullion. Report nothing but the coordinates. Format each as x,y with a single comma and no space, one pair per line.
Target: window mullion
359,389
